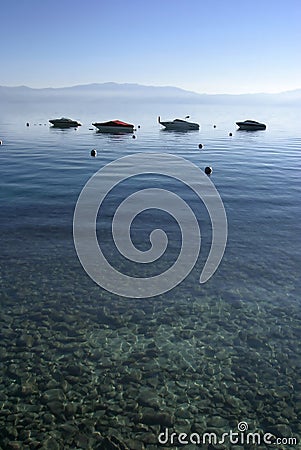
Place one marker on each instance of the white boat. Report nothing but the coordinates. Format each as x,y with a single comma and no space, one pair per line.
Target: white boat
64,122
179,124
114,126
251,125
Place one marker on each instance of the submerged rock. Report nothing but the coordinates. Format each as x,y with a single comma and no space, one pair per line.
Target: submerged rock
163,419
112,443
280,430
51,444
56,407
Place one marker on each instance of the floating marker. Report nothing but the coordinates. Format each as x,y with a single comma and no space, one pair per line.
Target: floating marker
208,170
200,145
134,137
93,152
230,134
214,126
27,124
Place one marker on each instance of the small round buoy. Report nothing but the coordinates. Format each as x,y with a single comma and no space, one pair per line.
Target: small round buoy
230,134
138,126
27,124
214,126
208,170
200,145
93,152
134,137
0,142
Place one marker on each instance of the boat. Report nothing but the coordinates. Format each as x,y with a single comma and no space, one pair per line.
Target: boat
114,126
179,124
64,122
251,125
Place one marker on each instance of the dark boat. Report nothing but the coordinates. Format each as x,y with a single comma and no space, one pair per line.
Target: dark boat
179,125
64,122
114,126
251,125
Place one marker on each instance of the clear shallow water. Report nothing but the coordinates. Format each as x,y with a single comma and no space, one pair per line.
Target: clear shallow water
227,349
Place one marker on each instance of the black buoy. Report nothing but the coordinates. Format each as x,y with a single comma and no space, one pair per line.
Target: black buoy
214,126
208,170
134,137
27,124
93,152
138,126
200,145
230,134
0,142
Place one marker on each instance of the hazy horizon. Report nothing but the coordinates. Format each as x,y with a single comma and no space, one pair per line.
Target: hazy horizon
133,85
112,88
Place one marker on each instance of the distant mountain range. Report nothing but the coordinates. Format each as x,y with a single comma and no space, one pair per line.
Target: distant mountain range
138,92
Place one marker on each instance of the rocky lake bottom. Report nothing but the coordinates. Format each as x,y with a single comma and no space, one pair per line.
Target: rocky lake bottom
114,375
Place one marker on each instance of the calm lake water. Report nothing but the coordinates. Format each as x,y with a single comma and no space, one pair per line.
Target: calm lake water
198,358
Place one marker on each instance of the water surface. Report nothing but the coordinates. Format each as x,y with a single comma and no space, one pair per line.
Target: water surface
208,356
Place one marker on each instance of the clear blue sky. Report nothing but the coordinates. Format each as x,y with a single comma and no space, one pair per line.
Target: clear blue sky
212,46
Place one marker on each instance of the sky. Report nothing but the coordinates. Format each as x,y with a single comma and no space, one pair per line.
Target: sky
206,46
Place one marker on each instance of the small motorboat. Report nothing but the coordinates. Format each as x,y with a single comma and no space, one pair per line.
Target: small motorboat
64,122
114,126
250,125
179,124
